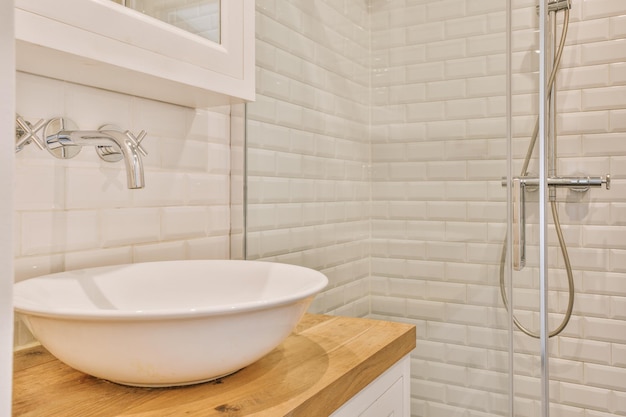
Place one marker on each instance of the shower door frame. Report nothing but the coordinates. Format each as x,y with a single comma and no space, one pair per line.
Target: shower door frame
543,194
543,120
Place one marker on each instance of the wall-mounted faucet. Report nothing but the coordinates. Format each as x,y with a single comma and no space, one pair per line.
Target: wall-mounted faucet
63,140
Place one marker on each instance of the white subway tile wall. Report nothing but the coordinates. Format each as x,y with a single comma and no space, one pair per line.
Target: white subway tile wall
445,161
463,98
78,213
376,149
308,145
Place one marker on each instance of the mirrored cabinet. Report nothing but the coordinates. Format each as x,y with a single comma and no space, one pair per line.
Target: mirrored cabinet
200,17
196,53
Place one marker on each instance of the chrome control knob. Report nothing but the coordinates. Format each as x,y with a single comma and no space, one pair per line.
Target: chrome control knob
25,133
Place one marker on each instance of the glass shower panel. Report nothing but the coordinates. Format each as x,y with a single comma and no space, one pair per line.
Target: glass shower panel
376,152
524,298
575,371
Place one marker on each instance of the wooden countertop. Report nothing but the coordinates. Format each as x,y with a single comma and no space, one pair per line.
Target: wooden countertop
321,365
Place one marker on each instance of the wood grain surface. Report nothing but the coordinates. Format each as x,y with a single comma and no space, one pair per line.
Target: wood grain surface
322,364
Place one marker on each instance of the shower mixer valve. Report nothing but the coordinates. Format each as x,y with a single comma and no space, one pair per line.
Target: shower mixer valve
576,183
519,184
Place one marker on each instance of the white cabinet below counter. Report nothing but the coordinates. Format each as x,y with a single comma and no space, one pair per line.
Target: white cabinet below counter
388,395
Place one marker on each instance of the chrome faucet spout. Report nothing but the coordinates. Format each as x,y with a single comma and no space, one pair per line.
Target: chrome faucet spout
130,152
120,142
111,145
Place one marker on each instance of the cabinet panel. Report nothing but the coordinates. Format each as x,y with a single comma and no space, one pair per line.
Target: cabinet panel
386,396
137,54
390,404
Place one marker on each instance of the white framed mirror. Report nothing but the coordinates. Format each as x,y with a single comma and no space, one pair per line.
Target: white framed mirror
200,17
139,54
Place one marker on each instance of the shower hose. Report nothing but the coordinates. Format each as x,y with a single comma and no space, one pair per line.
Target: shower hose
555,215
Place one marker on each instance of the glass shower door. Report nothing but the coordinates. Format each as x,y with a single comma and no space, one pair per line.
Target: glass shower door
543,279
524,290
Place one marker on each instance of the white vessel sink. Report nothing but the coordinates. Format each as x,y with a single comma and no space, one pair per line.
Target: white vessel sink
166,323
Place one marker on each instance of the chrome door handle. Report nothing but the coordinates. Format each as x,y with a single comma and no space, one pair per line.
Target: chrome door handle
519,224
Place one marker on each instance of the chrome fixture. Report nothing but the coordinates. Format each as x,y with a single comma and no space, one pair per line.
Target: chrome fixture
520,184
575,183
63,140
26,133
525,183
556,5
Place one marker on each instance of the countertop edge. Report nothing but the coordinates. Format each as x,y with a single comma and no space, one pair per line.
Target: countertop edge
371,347
333,396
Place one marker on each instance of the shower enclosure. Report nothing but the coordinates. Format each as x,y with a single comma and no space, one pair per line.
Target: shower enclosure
387,149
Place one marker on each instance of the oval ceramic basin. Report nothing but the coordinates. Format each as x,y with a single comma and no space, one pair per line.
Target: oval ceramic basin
166,323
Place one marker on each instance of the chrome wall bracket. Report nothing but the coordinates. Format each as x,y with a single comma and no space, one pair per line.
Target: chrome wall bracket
54,126
557,5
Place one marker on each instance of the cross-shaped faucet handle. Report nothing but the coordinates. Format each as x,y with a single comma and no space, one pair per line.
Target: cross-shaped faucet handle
27,133
136,140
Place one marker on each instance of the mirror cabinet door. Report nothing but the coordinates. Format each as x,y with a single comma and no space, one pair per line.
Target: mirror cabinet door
200,17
